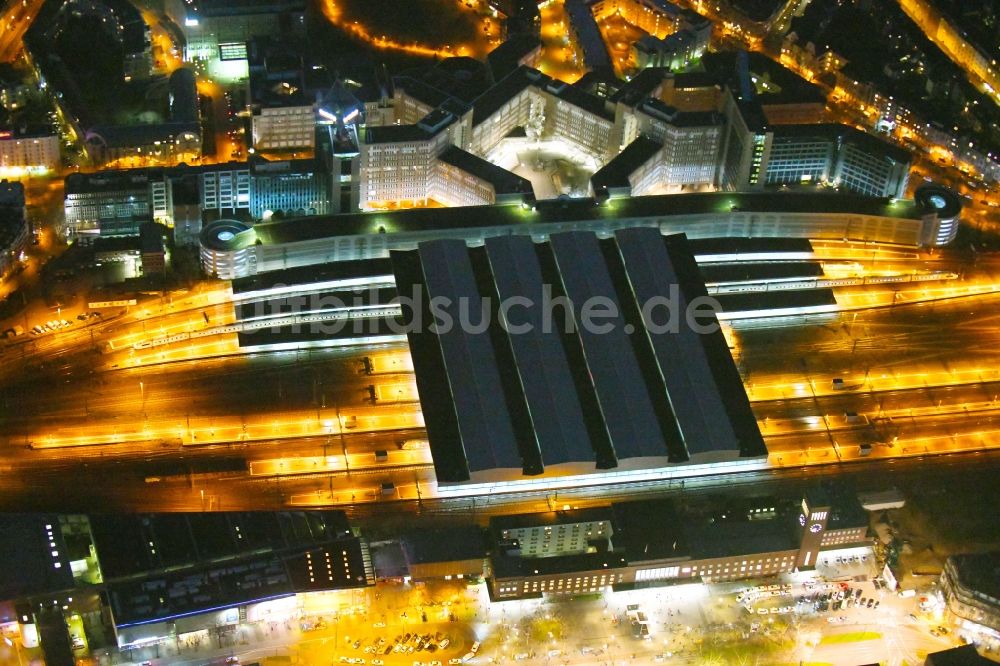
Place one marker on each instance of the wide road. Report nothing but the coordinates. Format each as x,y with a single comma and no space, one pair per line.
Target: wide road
14,22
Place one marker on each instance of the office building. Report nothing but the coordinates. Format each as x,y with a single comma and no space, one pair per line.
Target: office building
965,655
28,153
13,225
971,586
162,579
108,203
116,202
225,190
691,146
397,161
675,51
291,188
648,543
838,156
462,179
212,26
711,138
285,88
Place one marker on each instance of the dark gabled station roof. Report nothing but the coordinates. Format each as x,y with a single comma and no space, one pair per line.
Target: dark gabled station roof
536,386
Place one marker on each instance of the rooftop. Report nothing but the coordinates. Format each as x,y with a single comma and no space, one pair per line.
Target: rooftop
305,275
649,530
395,134
581,18
615,174
775,300
515,567
505,90
844,133
755,271
139,544
505,58
965,655
629,393
25,551
450,544
659,109
128,136
546,518
711,536
423,219
979,572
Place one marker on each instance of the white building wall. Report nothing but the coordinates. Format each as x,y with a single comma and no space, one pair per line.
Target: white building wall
690,156
392,172
25,152
513,113
284,128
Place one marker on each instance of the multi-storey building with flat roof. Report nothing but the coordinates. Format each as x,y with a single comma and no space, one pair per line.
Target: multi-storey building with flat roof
554,533
648,543
108,203
971,585
28,152
838,156
211,25
13,225
292,188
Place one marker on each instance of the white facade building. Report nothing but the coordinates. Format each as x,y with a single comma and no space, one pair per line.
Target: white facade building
29,152
225,190
284,128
